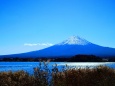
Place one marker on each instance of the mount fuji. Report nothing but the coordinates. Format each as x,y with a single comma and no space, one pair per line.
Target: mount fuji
74,45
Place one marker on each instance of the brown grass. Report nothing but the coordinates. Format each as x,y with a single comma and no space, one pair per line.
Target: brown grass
100,76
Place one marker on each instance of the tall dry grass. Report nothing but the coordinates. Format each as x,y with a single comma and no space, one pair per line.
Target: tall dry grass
100,76
43,76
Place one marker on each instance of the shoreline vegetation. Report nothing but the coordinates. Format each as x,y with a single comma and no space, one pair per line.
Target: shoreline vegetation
76,58
43,76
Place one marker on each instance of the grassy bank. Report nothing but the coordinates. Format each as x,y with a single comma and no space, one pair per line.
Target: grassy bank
99,76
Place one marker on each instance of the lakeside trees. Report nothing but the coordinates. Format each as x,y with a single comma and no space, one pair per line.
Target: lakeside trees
76,58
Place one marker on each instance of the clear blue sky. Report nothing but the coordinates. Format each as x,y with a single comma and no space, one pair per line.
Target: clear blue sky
25,23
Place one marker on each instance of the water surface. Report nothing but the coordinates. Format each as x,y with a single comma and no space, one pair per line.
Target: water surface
28,66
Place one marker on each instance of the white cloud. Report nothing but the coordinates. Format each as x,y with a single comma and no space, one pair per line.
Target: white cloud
45,44
29,44
38,44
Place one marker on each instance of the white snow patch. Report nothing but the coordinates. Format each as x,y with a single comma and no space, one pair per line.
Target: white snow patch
75,40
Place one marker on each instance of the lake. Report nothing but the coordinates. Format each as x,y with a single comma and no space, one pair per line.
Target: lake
28,66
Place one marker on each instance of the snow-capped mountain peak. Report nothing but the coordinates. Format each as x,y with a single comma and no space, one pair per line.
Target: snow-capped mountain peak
75,40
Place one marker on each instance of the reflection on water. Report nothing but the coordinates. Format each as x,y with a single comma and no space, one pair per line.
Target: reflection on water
28,66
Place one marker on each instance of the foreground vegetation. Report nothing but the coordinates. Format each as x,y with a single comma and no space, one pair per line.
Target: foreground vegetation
99,76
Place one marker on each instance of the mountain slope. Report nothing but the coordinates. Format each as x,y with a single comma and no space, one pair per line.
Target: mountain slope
70,47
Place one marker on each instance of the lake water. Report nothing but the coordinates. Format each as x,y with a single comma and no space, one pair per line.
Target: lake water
28,66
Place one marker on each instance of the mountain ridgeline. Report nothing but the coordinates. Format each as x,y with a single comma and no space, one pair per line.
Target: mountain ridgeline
68,48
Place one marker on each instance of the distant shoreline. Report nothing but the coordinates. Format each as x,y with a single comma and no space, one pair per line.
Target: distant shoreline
76,58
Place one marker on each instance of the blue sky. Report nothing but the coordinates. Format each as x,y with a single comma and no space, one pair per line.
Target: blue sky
25,23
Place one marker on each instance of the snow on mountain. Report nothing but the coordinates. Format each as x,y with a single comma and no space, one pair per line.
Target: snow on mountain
75,40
